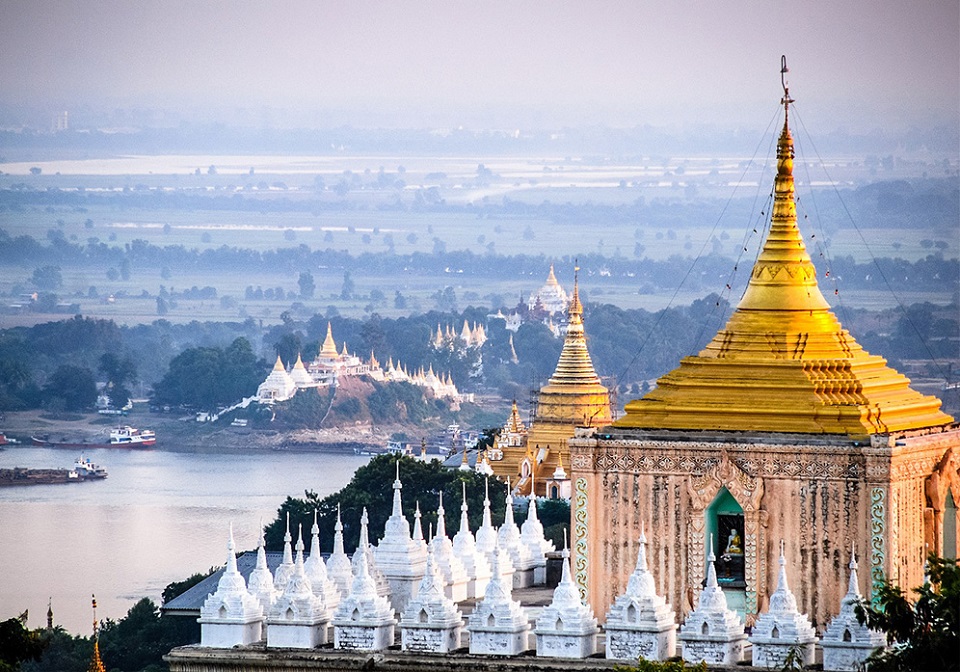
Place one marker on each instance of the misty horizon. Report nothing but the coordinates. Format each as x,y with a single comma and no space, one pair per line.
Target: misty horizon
858,67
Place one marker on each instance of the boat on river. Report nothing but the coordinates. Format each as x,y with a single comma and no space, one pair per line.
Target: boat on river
121,437
88,470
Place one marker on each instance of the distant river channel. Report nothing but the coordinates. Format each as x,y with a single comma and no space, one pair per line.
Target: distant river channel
158,517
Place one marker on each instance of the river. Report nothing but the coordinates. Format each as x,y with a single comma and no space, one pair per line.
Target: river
158,517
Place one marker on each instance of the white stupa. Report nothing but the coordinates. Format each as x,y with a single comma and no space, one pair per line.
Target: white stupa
566,628
278,386
465,547
846,643
300,376
712,632
260,581
486,538
282,575
531,536
782,627
508,538
364,620
316,571
487,541
399,557
298,619
231,616
364,548
418,531
498,625
339,568
640,623
431,622
449,566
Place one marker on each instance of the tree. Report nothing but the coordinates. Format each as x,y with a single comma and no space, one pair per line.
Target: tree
74,385
288,347
119,371
348,287
47,277
926,632
307,284
17,644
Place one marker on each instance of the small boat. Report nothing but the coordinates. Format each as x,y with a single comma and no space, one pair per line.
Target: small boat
88,470
121,437
128,436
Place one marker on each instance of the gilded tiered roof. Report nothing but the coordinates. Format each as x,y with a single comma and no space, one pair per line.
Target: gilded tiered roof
783,362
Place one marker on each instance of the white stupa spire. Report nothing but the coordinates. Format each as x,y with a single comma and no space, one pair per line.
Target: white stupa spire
418,529
364,620
566,627
316,570
465,548
283,572
508,538
531,536
498,624
782,629
231,615
260,581
400,558
487,533
846,642
454,574
431,622
712,621
339,568
364,549
298,618
640,622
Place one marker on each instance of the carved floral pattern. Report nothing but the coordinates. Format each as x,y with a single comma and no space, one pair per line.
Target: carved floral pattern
580,537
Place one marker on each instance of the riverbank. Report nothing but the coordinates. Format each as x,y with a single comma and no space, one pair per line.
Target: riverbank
185,434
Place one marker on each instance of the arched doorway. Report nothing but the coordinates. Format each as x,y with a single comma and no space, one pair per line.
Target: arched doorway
725,525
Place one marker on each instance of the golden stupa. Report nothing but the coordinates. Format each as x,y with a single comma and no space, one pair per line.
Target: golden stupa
573,397
783,362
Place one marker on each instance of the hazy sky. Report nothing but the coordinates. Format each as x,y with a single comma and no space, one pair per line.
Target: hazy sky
492,62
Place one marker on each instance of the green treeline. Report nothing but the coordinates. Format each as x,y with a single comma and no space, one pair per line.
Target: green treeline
371,488
205,365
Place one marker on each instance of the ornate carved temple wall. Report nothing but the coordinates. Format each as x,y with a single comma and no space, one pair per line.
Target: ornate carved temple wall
818,493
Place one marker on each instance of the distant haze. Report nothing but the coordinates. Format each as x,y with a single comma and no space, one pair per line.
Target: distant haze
496,63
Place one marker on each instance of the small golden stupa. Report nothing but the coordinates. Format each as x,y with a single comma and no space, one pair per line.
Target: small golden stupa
783,362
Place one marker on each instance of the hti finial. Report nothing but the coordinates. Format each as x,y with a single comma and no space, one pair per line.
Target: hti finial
786,100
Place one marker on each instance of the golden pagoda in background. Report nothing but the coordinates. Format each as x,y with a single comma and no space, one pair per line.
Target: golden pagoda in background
573,397
783,427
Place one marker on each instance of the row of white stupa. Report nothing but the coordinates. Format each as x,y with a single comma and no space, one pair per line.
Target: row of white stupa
421,583
280,384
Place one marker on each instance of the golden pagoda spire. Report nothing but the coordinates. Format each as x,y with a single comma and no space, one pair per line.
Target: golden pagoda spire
279,365
96,665
783,362
329,348
552,278
575,366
